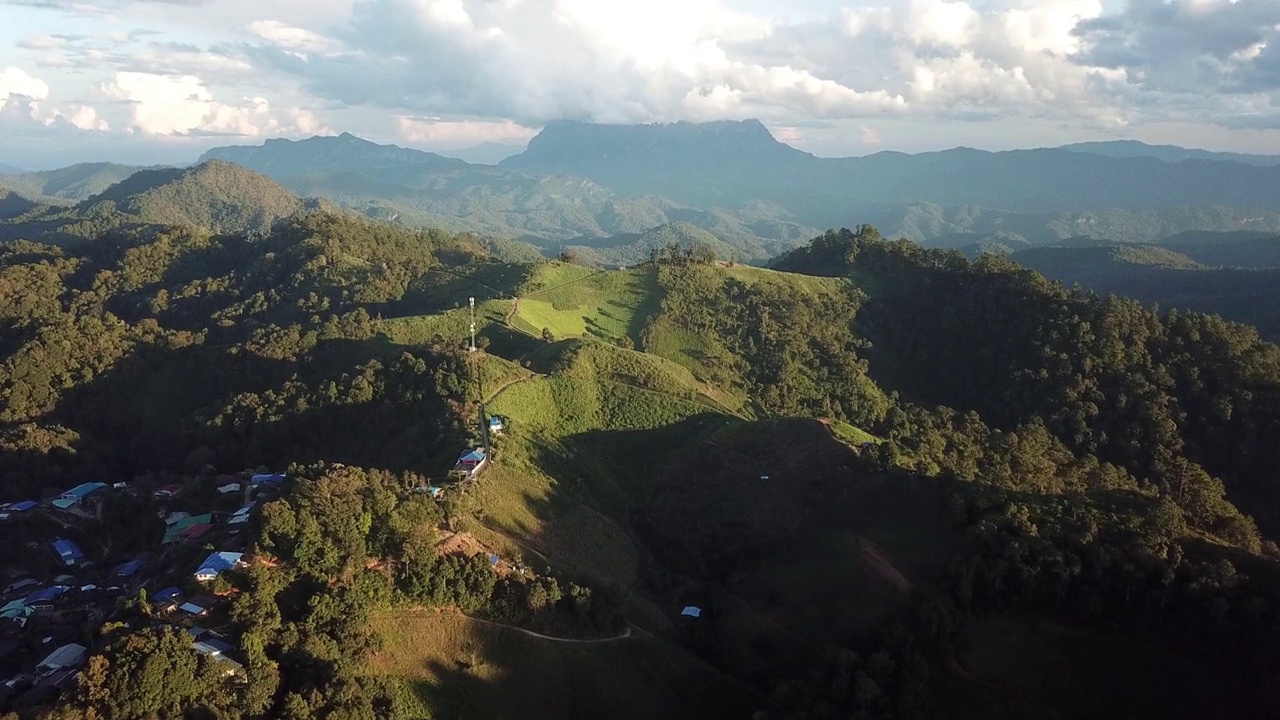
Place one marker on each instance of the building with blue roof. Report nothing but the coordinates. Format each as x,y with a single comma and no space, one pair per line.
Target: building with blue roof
23,506
271,478
68,552
213,565
77,494
167,594
46,594
130,568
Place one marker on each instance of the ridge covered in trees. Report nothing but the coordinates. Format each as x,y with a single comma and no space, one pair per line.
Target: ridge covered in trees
1028,456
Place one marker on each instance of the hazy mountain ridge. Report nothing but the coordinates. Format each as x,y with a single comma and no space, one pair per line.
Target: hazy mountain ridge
1167,153
72,183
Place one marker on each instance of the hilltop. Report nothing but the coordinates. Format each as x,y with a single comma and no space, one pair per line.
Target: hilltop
220,196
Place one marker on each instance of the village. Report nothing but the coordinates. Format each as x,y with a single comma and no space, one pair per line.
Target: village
53,606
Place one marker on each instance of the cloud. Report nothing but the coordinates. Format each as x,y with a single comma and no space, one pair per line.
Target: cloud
868,135
438,131
15,82
183,105
1195,46
535,60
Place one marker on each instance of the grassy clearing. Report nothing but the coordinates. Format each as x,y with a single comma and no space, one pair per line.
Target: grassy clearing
852,435
573,301
463,668
453,323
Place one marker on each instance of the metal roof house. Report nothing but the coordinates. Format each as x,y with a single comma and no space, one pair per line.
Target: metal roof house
471,458
167,594
213,565
67,656
272,478
495,424
68,553
176,530
130,568
77,494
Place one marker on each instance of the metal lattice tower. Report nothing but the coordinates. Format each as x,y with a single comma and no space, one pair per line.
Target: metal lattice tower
473,324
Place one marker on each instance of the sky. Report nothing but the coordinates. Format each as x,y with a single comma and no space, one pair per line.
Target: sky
159,81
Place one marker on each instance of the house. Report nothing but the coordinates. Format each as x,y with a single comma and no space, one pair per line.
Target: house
175,516
67,552
471,459
691,611
213,647
198,605
16,609
67,656
267,478
175,531
168,491
242,515
43,599
166,595
77,494
18,507
131,568
213,565
195,532
229,488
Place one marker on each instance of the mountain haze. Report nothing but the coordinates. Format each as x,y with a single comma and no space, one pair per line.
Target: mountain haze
73,183
1167,153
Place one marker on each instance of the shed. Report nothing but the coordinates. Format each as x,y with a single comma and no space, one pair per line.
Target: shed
67,656
691,611
217,562
495,424
229,488
68,553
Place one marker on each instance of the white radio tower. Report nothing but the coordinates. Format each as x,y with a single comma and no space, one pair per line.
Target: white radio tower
473,324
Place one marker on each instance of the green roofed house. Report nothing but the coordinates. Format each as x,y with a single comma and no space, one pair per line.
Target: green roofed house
176,531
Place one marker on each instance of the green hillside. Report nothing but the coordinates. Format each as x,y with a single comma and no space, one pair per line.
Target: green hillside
876,482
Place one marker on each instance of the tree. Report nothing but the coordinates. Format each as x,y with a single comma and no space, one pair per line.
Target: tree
547,336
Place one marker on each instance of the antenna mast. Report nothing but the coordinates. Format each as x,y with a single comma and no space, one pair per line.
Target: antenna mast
473,324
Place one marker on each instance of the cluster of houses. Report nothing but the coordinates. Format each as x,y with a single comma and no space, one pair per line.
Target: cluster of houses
47,624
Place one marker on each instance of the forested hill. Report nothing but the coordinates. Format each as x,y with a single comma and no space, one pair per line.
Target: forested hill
220,196
885,483
1186,400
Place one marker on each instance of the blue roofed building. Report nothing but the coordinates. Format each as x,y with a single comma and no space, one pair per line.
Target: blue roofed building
77,494
68,552
267,478
130,568
217,562
167,594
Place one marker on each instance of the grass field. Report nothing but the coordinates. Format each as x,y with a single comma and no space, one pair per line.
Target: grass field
461,668
573,301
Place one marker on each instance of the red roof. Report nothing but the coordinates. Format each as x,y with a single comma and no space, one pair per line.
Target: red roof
195,531
172,489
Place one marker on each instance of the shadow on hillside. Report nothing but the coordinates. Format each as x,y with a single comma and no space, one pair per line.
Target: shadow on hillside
496,673
177,409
